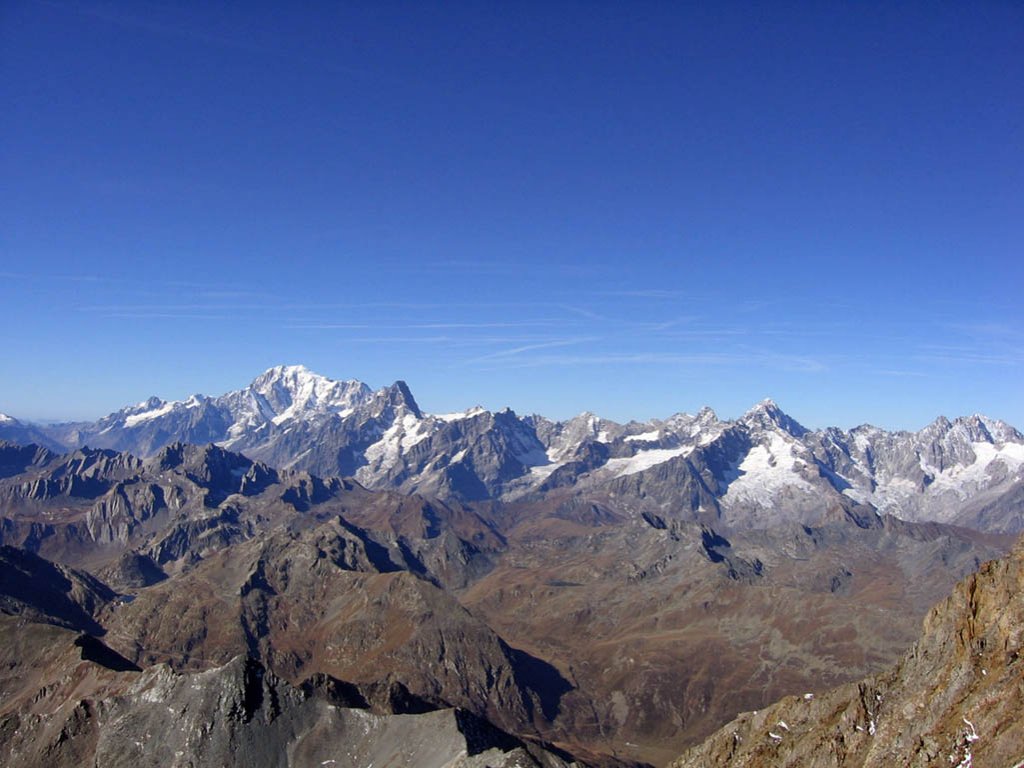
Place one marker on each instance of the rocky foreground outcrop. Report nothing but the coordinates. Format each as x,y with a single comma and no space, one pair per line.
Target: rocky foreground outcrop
240,714
956,699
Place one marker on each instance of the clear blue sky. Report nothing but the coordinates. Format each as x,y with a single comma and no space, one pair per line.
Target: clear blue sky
632,208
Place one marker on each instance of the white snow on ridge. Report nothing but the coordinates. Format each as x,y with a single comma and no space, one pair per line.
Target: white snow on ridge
644,460
138,418
862,442
645,437
962,479
398,438
4,418
991,461
414,431
765,471
308,391
542,472
476,410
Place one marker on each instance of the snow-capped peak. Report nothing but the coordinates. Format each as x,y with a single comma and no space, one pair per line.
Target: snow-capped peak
767,415
5,418
289,390
147,410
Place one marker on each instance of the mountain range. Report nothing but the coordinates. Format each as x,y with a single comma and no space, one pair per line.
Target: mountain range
312,558
742,473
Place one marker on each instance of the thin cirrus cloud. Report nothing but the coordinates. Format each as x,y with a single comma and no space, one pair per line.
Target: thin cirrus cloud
514,352
790,363
1011,356
421,326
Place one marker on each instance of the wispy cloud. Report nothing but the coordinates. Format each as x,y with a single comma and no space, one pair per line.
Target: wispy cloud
166,316
646,293
991,331
94,278
900,373
583,312
792,363
521,350
970,355
422,326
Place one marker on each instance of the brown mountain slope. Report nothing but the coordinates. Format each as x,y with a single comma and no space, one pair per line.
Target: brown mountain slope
321,601
955,699
667,634
235,714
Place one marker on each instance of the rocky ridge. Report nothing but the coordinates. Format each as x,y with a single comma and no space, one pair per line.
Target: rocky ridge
955,698
969,471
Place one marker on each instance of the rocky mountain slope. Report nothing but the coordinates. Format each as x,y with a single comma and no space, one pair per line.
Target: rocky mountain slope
621,590
98,713
969,471
954,699
564,616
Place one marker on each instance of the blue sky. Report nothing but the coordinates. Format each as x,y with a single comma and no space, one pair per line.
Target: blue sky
630,208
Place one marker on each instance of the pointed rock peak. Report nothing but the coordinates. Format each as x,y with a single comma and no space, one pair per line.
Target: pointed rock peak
209,458
400,394
170,456
1000,431
707,415
976,427
506,416
937,428
768,415
148,404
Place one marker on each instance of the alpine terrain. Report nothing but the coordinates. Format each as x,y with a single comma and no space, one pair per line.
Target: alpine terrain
313,572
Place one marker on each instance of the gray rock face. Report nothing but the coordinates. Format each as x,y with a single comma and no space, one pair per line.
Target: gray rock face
241,714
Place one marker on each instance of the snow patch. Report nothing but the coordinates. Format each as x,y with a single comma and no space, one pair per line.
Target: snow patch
857,495
963,479
645,437
644,460
476,410
399,437
156,413
414,432
766,471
